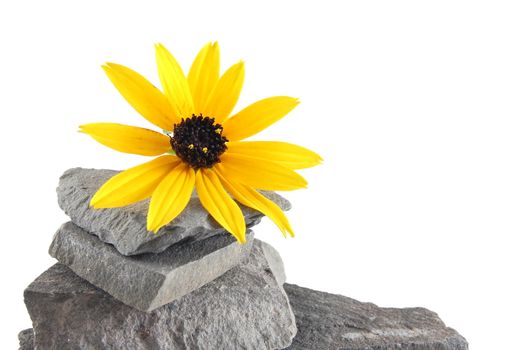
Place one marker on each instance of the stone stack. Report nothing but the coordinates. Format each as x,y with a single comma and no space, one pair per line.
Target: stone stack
192,286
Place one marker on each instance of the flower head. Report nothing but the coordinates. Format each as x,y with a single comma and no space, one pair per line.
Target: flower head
201,146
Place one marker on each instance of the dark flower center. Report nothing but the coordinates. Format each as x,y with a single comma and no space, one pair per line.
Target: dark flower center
199,141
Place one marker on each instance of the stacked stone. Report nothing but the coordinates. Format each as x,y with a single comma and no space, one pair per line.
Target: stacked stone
192,286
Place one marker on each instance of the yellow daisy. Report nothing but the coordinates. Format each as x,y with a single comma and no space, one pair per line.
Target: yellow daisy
201,146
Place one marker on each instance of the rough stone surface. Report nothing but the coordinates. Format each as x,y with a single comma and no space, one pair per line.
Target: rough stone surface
25,339
147,281
125,227
275,262
332,322
328,321
245,308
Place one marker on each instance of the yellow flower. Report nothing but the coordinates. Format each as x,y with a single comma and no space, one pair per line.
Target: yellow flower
202,145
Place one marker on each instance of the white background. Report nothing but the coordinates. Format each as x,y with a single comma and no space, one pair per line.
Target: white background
417,107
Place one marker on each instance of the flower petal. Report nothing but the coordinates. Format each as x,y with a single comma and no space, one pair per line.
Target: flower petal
133,185
204,74
170,197
219,204
260,174
174,83
225,94
253,199
258,116
283,153
128,139
141,95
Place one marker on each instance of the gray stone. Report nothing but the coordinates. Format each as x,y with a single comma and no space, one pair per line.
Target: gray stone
275,262
25,339
329,321
245,308
125,227
147,281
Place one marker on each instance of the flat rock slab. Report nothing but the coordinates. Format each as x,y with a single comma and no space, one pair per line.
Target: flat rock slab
125,227
246,308
147,281
334,322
